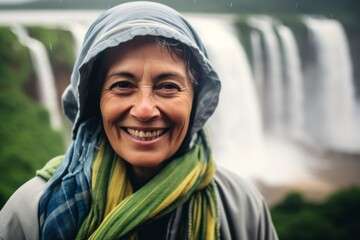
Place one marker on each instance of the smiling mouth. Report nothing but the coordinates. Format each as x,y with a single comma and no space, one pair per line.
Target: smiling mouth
145,135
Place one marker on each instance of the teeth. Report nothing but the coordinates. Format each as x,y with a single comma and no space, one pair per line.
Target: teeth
145,135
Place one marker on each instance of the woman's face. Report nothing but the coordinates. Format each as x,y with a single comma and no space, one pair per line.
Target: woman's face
145,103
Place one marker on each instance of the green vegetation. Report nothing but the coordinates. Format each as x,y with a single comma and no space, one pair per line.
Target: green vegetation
59,44
27,141
338,217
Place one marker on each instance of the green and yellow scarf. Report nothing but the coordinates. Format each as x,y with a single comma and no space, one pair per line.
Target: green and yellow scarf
116,211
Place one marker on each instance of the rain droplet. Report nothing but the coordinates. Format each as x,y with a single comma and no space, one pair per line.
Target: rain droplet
296,5
194,1
50,46
231,4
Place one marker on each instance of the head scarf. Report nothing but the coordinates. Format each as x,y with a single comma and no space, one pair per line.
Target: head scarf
65,205
124,22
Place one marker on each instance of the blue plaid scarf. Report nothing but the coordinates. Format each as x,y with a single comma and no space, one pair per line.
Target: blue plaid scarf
66,201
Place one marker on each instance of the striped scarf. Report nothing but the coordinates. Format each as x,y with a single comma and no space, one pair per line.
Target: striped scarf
113,210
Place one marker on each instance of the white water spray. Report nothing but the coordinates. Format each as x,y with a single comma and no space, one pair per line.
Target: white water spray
283,162
272,84
332,108
257,63
236,126
46,81
293,84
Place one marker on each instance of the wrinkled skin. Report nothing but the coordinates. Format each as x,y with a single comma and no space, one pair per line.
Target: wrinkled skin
145,104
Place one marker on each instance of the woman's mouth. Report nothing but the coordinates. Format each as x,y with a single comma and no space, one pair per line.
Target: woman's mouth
148,135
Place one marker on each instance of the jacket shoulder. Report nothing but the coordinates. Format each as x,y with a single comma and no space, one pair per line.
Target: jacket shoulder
19,216
236,186
243,211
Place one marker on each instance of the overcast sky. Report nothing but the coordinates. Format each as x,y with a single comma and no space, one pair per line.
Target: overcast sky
15,1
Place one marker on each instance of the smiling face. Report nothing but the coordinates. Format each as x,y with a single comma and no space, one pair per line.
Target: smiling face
145,104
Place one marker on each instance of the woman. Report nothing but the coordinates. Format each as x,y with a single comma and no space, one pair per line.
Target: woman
140,165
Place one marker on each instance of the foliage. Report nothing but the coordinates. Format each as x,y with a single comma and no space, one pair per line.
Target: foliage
338,217
12,71
344,211
26,138
59,43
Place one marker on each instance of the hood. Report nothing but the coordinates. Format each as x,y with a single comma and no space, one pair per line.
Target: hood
124,22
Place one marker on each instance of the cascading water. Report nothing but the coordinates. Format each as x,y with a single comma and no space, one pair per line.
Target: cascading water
236,125
238,139
257,56
331,102
272,84
293,84
46,82
78,31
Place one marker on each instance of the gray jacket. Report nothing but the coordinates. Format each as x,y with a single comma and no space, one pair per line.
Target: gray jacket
243,213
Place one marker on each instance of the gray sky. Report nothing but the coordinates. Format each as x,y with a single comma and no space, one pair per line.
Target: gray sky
15,1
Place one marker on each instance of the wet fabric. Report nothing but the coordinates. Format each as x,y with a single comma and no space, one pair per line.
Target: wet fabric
68,192
123,23
190,177
243,213
66,200
115,210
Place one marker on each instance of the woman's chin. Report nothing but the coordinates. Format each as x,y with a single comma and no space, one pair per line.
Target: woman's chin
144,172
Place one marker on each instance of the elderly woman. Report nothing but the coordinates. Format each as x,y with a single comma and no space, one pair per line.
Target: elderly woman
140,165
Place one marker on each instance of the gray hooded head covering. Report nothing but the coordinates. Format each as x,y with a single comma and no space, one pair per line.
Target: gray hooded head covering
124,22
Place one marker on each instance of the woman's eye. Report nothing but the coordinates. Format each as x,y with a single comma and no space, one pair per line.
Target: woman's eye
169,87
122,85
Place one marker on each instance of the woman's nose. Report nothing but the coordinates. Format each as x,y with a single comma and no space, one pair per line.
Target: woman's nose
144,108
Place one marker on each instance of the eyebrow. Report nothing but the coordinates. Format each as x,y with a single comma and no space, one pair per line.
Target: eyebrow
171,74
120,73
159,77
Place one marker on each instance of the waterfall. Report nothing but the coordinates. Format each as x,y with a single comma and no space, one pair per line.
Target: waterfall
293,84
272,84
78,31
236,127
318,105
46,82
331,103
280,93
258,65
